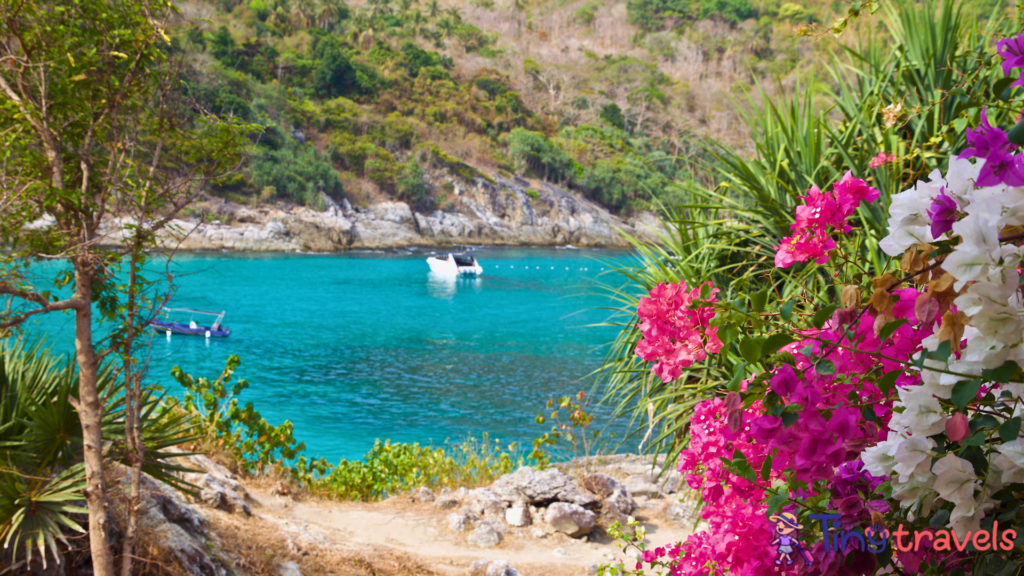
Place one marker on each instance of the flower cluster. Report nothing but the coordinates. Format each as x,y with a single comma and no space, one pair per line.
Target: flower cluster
675,327
881,160
984,333
820,212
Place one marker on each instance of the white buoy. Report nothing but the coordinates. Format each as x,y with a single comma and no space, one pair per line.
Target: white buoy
207,333
168,334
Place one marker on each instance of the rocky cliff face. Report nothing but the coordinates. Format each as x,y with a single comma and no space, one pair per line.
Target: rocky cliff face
496,213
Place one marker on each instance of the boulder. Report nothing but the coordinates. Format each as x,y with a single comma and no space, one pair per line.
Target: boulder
570,519
288,569
423,495
518,516
484,502
681,514
611,491
610,514
215,494
446,503
484,536
491,568
540,488
459,521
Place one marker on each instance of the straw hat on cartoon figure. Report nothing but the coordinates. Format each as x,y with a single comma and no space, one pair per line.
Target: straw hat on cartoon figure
786,537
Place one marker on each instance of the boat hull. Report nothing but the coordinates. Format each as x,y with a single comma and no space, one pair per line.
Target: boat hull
179,328
450,268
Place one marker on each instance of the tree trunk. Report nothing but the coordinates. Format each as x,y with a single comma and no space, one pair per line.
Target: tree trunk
132,426
90,415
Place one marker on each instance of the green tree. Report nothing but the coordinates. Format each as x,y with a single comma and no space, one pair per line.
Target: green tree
410,182
612,114
222,45
335,75
85,83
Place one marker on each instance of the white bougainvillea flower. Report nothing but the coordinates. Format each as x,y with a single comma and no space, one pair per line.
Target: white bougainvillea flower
916,494
877,459
923,415
913,455
960,180
1011,461
955,479
909,223
967,515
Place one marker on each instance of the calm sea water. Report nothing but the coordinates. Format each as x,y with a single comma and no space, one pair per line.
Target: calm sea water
356,347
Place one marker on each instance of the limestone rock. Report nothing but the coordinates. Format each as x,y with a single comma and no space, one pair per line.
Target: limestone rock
424,495
484,502
288,569
484,536
611,490
541,488
446,503
459,521
570,519
681,514
518,516
492,568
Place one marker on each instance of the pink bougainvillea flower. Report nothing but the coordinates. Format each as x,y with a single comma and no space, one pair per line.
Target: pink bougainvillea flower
675,323
1012,51
850,191
943,214
803,247
957,427
881,160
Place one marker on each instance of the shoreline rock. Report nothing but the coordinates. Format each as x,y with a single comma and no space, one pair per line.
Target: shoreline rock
501,213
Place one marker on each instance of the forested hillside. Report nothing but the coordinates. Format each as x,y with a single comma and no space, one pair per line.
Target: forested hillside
611,100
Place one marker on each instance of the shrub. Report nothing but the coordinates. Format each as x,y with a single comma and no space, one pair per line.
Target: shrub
297,172
612,114
410,185
335,75
585,14
537,153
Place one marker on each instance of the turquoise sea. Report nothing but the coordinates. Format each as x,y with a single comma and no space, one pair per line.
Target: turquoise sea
360,346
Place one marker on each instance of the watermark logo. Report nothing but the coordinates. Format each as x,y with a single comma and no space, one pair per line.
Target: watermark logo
787,539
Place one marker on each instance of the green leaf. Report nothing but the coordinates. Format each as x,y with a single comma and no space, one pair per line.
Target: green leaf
774,342
789,418
766,466
1001,85
887,381
825,367
822,316
976,439
890,328
750,349
1016,134
1002,374
1010,430
983,422
775,503
942,352
964,391
869,414
758,300
728,332
737,377
787,310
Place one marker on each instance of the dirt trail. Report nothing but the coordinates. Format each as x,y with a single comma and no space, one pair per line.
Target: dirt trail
420,530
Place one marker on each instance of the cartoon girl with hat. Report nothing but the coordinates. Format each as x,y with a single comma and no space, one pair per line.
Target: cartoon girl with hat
787,539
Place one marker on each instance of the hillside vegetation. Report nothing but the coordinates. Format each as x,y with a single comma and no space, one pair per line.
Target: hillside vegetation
612,100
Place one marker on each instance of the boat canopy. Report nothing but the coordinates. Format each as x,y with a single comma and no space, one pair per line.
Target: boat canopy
463,260
216,323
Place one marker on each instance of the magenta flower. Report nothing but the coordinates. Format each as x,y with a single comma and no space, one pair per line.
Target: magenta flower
1002,168
850,191
1012,51
943,214
986,140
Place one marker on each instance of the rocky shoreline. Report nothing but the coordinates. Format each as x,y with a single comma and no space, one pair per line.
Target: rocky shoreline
485,213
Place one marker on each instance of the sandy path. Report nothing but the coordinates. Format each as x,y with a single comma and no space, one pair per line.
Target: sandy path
421,531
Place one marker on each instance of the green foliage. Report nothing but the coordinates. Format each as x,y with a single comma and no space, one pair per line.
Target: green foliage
411,187
651,15
574,430
297,172
390,469
537,153
240,431
794,12
41,471
586,13
335,75
612,114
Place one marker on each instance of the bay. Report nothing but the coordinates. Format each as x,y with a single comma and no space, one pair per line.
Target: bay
359,346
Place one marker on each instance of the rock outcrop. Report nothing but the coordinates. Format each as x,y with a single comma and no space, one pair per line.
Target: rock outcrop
499,213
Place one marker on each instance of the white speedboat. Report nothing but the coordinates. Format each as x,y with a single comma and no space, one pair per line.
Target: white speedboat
453,264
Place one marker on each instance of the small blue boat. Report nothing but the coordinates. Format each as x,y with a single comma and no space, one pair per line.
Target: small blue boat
215,330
